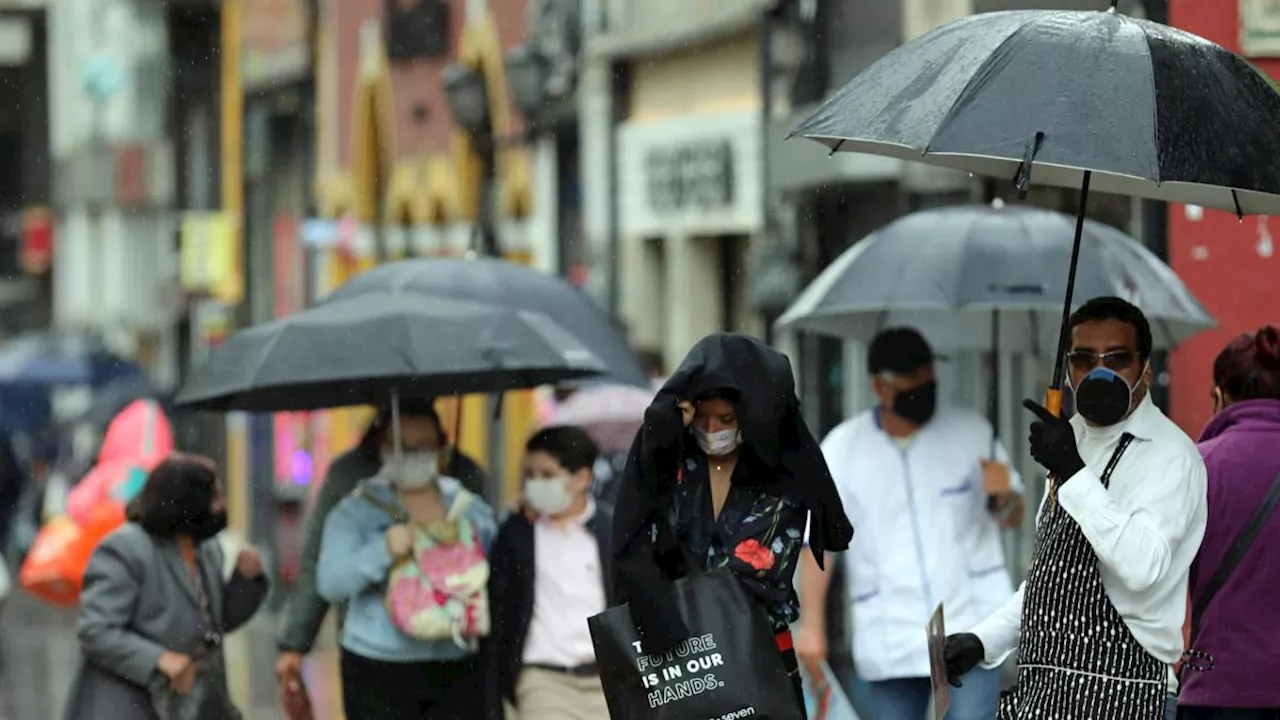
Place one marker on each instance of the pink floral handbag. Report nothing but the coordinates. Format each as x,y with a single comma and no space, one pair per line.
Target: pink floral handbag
440,592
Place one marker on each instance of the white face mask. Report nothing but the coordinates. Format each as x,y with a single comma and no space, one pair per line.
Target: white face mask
548,496
721,442
412,471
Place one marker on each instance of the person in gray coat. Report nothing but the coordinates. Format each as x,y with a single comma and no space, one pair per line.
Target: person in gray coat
155,602
306,609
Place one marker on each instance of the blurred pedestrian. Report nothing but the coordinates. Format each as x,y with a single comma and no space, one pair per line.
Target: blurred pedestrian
547,577
1239,629
156,605
723,474
1098,622
919,482
306,609
406,552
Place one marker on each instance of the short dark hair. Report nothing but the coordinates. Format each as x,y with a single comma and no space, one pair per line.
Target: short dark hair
370,443
898,350
1114,308
571,446
1248,368
177,493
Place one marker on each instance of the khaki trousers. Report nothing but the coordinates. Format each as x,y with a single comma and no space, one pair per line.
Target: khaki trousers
549,695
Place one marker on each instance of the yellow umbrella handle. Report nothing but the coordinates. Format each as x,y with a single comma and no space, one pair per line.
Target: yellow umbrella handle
1053,401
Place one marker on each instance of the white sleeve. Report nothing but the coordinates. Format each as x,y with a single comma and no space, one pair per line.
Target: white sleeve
1135,539
999,632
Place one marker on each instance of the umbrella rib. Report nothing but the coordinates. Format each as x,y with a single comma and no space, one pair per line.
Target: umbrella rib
969,88
1155,103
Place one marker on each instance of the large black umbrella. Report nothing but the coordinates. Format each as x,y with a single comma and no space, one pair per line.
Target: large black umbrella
367,349
506,284
1073,99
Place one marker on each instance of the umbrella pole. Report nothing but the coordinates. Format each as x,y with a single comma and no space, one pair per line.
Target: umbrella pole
993,410
1053,396
395,420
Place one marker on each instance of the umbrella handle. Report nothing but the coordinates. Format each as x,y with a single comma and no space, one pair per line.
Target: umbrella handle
1053,401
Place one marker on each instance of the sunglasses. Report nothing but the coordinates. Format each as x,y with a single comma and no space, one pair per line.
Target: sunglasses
1086,360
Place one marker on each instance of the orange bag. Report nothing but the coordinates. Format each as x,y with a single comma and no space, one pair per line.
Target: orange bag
55,565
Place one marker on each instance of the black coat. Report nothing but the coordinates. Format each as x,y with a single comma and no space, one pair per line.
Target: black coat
511,596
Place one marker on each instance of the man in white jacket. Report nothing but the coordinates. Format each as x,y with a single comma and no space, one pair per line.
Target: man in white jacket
918,482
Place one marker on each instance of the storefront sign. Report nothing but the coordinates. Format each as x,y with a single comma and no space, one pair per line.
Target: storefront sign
1260,28
695,174
37,241
277,48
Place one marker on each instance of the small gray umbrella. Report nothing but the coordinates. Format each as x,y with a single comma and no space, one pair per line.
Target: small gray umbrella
367,349
978,276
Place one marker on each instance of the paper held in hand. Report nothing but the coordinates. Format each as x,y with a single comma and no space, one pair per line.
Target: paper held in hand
936,631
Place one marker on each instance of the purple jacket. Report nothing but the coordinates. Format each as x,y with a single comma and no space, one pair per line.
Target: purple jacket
1241,627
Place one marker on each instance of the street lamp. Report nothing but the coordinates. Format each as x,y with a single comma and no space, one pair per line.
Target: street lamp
527,72
468,99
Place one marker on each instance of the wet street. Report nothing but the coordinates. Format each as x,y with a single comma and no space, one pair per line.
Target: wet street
38,657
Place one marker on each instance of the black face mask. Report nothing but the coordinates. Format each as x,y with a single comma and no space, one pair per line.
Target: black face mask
1103,397
206,525
918,404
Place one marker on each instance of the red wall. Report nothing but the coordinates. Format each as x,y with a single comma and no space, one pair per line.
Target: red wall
1219,257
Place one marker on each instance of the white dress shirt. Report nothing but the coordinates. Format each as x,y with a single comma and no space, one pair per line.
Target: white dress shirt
568,588
925,534
1145,529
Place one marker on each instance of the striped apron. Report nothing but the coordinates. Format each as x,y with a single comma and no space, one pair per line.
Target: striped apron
1077,659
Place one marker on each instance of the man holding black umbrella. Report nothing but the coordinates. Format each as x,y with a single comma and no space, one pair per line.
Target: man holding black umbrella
1098,622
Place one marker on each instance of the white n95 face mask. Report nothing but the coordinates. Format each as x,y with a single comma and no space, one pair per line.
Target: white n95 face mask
413,471
548,496
721,442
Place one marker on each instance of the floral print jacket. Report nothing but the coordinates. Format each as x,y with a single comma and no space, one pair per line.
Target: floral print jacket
758,536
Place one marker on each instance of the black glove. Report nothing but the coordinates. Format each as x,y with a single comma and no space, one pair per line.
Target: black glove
1053,443
963,652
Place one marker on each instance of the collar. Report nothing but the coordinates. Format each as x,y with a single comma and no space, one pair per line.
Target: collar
875,417
580,521
1141,424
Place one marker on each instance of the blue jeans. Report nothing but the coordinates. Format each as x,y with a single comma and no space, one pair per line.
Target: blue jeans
908,698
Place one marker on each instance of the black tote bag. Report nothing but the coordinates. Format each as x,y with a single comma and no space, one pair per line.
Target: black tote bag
729,668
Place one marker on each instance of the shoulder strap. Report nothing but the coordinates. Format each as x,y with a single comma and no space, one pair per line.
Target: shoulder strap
1121,446
1239,546
461,501
387,508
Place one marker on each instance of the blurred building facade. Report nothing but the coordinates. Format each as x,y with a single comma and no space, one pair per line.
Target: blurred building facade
26,224
114,264
443,128
1208,245
671,117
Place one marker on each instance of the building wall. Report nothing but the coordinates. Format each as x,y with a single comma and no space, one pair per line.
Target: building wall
1206,246
114,266
681,255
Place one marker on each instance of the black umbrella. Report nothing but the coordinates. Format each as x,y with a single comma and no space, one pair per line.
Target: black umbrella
1073,99
366,349
505,284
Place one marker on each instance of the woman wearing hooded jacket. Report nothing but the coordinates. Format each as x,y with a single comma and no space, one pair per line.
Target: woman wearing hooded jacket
724,473
1240,630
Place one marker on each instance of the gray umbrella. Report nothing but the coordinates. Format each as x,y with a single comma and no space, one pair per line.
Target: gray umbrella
504,284
365,349
950,272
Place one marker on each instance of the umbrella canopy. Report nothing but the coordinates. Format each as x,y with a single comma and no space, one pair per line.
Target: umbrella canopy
497,282
55,359
1150,110
611,414
363,349
946,271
